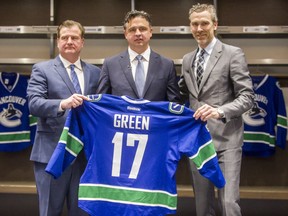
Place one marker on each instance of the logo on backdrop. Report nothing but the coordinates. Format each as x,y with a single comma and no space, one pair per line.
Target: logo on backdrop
255,116
10,117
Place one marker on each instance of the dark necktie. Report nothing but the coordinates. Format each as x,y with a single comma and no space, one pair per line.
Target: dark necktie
200,67
75,80
140,76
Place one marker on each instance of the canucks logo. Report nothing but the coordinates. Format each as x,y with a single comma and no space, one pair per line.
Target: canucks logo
255,116
10,117
95,97
175,108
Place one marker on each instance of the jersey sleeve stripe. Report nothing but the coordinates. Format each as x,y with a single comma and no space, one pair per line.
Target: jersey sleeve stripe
281,121
73,144
203,154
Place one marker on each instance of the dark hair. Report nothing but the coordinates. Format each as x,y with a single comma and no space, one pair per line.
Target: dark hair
134,13
69,24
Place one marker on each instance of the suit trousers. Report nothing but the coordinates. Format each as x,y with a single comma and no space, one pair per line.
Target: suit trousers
229,196
53,192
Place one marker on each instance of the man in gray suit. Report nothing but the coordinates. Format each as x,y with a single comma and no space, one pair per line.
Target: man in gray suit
118,73
219,88
51,94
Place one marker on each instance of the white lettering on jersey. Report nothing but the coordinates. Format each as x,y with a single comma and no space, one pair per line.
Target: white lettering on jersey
131,121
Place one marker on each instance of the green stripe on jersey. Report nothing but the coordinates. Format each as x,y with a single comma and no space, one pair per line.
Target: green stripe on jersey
256,136
127,195
11,137
32,120
281,120
73,144
206,152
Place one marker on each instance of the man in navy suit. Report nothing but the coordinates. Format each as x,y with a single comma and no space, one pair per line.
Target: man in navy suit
118,72
51,94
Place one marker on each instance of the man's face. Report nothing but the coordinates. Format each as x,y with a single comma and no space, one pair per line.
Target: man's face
202,27
70,42
138,33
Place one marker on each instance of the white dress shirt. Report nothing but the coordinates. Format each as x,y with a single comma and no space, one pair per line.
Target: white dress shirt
134,61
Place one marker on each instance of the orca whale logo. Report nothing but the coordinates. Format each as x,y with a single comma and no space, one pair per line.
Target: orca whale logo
255,116
10,117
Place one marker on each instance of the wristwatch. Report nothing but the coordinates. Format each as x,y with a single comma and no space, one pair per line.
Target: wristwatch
221,113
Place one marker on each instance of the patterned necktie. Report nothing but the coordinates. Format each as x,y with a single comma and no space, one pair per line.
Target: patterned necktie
139,75
75,80
200,67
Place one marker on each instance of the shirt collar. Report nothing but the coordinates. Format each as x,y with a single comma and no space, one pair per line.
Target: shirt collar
210,46
133,54
67,64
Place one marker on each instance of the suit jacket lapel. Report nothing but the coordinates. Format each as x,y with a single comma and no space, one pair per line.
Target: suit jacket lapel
152,70
60,69
86,77
126,68
192,72
215,55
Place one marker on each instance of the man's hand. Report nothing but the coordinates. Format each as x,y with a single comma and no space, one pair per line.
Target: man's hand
73,101
206,112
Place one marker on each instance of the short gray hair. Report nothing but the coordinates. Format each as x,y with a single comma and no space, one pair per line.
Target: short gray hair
204,7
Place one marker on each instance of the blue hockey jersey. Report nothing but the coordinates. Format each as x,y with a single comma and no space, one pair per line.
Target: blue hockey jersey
17,126
265,124
133,148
